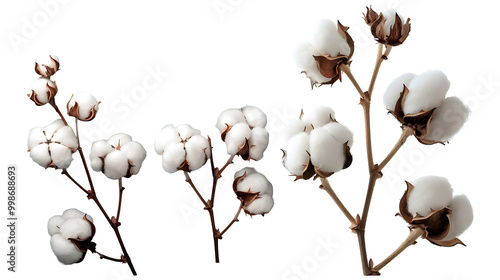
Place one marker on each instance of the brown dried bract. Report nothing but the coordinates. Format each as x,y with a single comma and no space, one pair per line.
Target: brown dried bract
51,93
74,111
398,33
246,197
85,244
49,70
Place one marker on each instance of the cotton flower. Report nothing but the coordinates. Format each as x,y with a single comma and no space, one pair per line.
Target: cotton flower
316,144
52,145
329,47
83,106
388,27
117,157
420,102
46,65
43,91
254,191
182,148
429,203
243,131
71,235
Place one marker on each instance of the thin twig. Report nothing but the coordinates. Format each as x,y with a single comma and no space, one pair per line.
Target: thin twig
228,162
120,195
190,182
347,70
325,185
65,173
407,132
235,219
410,240
102,256
380,58
54,105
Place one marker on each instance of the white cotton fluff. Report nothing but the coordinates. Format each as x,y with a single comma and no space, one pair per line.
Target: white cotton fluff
461,216
197,152
54,224
115,165
119,139
318,116
447,119
65,136
254,116
75,213
427,91
40,87
327,40
261,205
395,88
297,156
390,16
229,117
135,154
258,142
236,137
61,156
327,153
98,151
44,61
51,129
65,251
245,170
304,58
86,102
430,192
36,137
340,132
185,131
173,157
167,135
255,183
40,154
293,128
75,228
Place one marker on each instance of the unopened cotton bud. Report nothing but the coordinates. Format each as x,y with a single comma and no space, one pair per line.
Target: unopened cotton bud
83,106
46,65
43,91
388,27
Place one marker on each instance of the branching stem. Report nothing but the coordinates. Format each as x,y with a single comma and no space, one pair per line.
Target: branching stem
325,185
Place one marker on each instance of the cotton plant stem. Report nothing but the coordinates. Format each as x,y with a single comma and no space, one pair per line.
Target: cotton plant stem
65,173
407,132
190,182
102,256
325,185
380,58
54,105
347,70
120,195
412,237
235,219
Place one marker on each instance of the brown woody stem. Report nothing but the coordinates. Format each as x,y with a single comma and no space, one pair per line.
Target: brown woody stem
407,132
190,182
102,256
120,195
347,70
235,219
54,105
325,185
65,173
380,58
410,240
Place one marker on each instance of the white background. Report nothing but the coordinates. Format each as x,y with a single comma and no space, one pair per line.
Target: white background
209,60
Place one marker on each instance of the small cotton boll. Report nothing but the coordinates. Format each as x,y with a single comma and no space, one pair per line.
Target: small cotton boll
46,65
196,152
304,57
229,117
461,216
258,143
65,251
54,224
297,156
254,116
36,137
40,87
76,228
121,138
87,104
427,91
61,156
395,88
246,170
136,154
66,137
430,192
390,16
186,131
340,132
167,136
327,40
327,153
261,205
236,137
173,157
51,129
116,165
447,119
255,183
40,154
318,116
293,128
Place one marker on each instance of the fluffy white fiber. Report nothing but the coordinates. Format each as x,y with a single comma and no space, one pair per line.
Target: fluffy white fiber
395,88
40,87
427,91
390,16
261,205
86,102
255,182
447,119
327,40
44,61
297,154
430,192
304,58
461,216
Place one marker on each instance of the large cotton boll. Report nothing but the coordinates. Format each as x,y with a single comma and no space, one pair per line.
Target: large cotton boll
395,88
119,138
430,192
116,165
258,142
61,155
167,135
318,116
255,183
340,132
54,224
327,153
461,216
40,154
327,40
293,128
304,58
136,154
65,251
74,213
186,131
254,116
447,119
229,117
196,152
236,137
50,129
297,157
261,205
36,137
66,136
173,157
427,91
76,228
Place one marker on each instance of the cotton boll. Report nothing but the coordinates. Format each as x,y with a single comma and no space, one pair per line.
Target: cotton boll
340,132
390,16
236,137
327,40
65,251
40,87
461,216
229,117
427,91
168,135
395,88
447,119
304,57
50,129
73,213
46,65
61,156
254,116
76,228
258,142
116,165
87,105
54,224
136,154
327,153
119,138
36,137
66,137
100,148
297,157
196,152
261,205
40,154
173,157
293,128
430,192
318,116
246,170
186,131
255,183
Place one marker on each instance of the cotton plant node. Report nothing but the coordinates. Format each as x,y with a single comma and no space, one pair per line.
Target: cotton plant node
183,148
53,146
317,146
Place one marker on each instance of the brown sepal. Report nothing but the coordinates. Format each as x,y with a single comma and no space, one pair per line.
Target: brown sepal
347,155
244,151
184,166
34,99
371,16
398,33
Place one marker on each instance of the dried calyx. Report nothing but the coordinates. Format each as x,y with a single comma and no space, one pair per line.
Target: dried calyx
388,28
83,106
